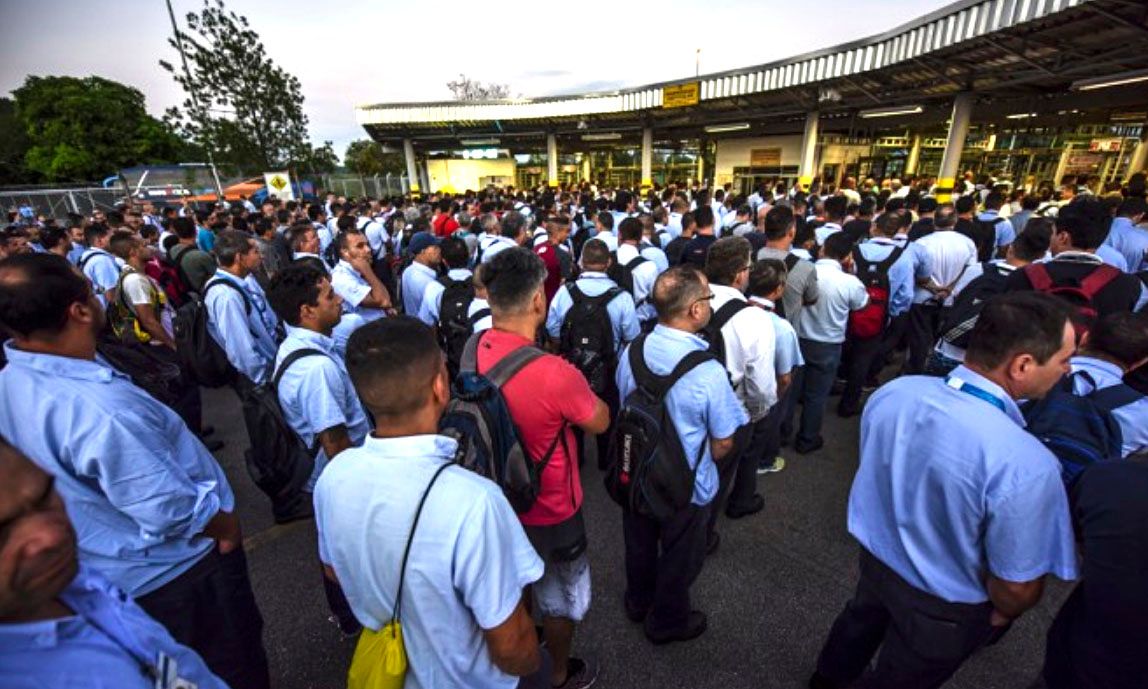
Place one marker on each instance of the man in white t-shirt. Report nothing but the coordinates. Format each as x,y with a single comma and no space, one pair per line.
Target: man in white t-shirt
947,255
462,611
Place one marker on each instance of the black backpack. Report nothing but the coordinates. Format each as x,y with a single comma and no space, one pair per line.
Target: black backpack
278,461
454,327
984,235
587,337
712,331
488,440
623,274
648,472
1079,429
957,327
200,355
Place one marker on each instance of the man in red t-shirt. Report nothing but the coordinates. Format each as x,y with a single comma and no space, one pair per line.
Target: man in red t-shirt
551,252
546,398
443,222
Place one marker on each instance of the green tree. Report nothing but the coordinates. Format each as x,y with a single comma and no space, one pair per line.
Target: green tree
248,109
367,158
321,160
86,129
13,145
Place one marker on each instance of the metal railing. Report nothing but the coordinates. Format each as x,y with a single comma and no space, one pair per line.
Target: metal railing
58,202
358,186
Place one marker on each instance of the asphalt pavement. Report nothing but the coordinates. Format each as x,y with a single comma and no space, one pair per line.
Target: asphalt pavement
771,591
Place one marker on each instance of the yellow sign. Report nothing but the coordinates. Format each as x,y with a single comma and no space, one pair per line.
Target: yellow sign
279,184
765,157
680,96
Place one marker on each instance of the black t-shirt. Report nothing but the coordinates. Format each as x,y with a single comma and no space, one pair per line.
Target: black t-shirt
983,234
921,228
756,241
697,249
1098,638
674,250
1121,294
857,229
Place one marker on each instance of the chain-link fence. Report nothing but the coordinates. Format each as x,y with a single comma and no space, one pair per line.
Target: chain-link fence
356,186
57,203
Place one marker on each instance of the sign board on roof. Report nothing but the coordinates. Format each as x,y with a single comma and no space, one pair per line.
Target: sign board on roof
1105,145
680,96
279,185
765,157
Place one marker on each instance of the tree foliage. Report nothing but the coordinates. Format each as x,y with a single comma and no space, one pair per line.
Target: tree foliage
248,109
321,159
367,158
75,130
465,88
13,145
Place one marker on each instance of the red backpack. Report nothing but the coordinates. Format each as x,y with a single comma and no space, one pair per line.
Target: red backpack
169,278
1080,296
870,321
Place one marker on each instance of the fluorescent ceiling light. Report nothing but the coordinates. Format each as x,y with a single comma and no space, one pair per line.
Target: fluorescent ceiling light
1129,117
719,128
479,142
892,112
1113,80
609,136
1021,116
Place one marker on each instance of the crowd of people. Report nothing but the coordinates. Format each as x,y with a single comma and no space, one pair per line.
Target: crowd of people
437,381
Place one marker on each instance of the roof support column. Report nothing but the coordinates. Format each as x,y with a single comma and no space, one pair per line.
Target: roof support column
702,144
412,167
1139,158
586,167
808,169
914,156
647,159
955,146
551,160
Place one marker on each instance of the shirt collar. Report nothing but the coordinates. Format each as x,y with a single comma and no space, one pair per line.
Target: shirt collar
763,302
425,270
593,275
224,275
1106,367
310,337
727,291
411,447
691,339
973,378
830,263
65,366
884,241
459,273
1078,257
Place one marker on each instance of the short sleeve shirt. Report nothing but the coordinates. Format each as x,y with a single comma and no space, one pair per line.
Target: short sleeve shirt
567,401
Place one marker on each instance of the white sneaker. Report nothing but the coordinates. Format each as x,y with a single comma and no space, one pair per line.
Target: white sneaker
778,465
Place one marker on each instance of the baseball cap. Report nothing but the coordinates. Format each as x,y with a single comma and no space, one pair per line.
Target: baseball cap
423,241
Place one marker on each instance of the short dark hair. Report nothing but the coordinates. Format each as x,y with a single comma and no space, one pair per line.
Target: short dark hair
777,222
837,246
512,277
676,290
95,231
1018,323
53,236
765,277
726,258
296,285
965,204
1086,221
945,216
263,226
512,224
606,220
927,205
1033,241
1122,336
183,227
455,254
994,200
122,243
230,245
392,362
595,253
630,230
36,291
889,223
704,216
1131,206
343,239
836,206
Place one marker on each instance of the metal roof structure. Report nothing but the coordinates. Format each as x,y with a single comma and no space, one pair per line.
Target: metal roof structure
1017,56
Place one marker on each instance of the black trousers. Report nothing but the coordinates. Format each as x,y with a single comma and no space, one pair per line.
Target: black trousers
728,470
923,639
861,361
745,479
211,609
662,561
189,404
924,322
610,397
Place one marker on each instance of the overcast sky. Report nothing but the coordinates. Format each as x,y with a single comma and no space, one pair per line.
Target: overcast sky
354,52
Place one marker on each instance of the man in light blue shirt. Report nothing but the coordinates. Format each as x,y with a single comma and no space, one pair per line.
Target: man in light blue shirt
355,280
423,270
960,525
463,618
1125,235
158,512
1005,234
63,624
99,266
234,318
706,413
1116,345
455,257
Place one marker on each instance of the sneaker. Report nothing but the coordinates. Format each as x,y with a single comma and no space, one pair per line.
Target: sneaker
695,627
580,674
778,465
806,448
756,504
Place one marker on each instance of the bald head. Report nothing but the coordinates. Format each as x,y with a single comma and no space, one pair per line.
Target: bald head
676,290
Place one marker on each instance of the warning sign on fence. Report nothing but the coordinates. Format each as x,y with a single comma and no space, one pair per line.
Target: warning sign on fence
279,184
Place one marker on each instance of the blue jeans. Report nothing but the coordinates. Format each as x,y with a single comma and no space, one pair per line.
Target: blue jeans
821,362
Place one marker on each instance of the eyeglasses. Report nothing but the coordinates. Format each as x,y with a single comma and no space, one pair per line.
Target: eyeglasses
708,297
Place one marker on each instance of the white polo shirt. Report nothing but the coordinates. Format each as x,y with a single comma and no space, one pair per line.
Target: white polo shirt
750,342
838,294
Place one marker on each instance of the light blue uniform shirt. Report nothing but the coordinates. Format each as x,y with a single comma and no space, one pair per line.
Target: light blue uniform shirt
415,280
139,486
620,309
702,404
242,335
316,393
786,350
901,278
1005,231
102,269
1133,418
653,253
950,487
1131,241
353,288
469,559
76,253
432,296
491,245
1112,257
105,645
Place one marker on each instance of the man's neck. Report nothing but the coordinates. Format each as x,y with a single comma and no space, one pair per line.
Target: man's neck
996,376
235,270
187,241
1101,356
424,422
779,244
704,232
62,345
680,324
525,326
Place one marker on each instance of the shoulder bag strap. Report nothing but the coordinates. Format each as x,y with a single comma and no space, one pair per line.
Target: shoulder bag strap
507,367
292,358
1038,276
1098,279
410,539
1115,396
242,292
885,265
469,361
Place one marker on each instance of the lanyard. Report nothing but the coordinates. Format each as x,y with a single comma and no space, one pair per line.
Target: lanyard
958,384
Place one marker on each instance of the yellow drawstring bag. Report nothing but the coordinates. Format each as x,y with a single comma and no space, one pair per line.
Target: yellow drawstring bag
380,660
